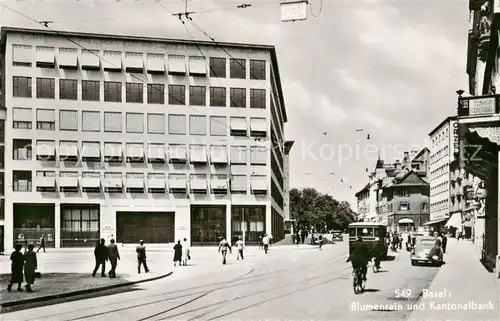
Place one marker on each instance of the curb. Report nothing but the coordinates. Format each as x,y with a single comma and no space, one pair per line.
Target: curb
80,292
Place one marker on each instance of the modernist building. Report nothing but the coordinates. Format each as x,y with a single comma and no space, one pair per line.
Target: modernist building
140,138
479,129
446,180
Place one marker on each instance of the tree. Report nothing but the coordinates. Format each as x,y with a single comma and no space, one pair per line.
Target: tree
312,209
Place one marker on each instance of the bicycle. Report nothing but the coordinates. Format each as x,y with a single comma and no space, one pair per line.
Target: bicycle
358,282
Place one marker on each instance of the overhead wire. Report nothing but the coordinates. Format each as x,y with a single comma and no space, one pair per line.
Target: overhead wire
111,63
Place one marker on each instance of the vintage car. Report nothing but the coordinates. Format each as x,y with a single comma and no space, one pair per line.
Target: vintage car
413,236
421,250
337,236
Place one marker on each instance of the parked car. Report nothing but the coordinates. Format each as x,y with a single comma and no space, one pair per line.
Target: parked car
421,250
337,236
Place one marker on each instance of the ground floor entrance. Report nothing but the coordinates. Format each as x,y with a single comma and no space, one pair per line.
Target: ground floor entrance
80,225
32,221
151,227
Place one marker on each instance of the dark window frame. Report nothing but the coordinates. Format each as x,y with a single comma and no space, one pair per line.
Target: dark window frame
27,87
218,67
261,101
258,69
64,93
45,88
201,100
134,92
238,100
156,91
215,94
172,97
237,68
113,91
18,175
93,93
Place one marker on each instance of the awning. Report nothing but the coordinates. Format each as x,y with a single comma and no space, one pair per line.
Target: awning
134,181
68,58
176,64
22,54
45,148
238,123
198,153
177,152
91,150
258,183
90,182
258,125
134,61
454,221
198,184
90,59
68,149
218,154
440,220
177,182
197,66
135,150
112,61
156,63
112,149
156,182
45,55
156,151
405,221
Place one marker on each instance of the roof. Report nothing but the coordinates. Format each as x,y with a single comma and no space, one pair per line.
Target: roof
420,153
402,180
366,188
448,119
66,34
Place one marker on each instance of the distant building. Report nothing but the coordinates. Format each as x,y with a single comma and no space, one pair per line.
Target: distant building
289,221
363,202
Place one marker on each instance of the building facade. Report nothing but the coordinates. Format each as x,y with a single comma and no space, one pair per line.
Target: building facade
140,138
442,181
363,202
479,119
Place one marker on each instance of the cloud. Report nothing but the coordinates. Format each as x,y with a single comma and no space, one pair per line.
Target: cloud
330,113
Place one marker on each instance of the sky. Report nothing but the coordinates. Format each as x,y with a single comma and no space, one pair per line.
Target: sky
388,68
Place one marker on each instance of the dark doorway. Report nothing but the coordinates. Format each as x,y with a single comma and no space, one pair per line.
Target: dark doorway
79,225
151,227
2,239
208,224
31,221
251,219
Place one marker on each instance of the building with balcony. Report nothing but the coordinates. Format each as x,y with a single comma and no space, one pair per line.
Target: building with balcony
479,130
140,138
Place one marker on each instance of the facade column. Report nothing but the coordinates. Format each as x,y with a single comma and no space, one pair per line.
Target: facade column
228,222
57,226
9,226
269,220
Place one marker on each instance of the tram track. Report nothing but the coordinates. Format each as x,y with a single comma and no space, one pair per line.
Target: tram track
242,280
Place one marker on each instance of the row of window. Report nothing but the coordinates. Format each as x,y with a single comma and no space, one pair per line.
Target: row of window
441,170
115,122
440,205
117,182
134,93
402,206
439,154
440,188
137,62
441,136
137,153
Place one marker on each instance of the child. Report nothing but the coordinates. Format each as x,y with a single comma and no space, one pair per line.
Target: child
17,266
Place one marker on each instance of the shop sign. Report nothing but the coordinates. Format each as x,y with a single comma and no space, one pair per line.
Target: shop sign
456,139
476,106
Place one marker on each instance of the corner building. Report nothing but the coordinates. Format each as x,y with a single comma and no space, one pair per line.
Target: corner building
140,138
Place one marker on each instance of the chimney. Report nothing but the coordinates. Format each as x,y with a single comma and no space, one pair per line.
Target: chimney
397,164
406,157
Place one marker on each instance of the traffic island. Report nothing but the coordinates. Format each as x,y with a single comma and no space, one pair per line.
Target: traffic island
53,286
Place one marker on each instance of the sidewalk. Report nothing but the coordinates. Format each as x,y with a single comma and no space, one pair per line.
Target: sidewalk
469,291
67,272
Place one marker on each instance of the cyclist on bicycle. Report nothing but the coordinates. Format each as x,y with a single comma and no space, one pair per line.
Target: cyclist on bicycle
360,256
223,247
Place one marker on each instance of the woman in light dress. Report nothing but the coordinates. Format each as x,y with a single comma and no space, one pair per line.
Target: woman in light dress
185,252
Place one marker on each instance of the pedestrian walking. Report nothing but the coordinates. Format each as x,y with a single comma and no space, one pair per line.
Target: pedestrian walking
141,257
223,247
260,242
265,241
101,256
185,252
320,242
42,244
2,246
444,242
16,268
239,246
302,236
113,256
178,253
30,266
